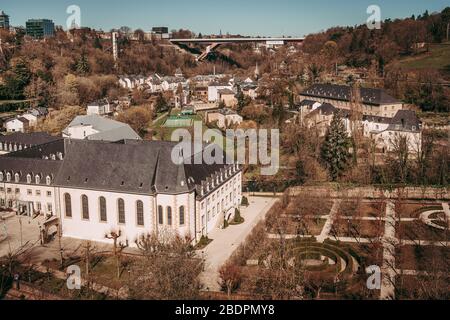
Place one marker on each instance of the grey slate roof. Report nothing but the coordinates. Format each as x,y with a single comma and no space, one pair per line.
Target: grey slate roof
370,96
307,102
27,139
127,166
405,120
109,130
25,166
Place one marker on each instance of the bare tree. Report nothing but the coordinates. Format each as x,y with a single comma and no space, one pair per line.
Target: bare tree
169,268
231,277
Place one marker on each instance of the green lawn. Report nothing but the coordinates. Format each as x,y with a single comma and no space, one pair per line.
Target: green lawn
438,59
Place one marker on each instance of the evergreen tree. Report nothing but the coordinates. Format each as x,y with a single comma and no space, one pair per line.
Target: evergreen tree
161,104
97,43
240,99
82,66
335,149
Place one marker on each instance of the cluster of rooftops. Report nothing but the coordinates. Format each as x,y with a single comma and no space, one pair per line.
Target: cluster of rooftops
127,166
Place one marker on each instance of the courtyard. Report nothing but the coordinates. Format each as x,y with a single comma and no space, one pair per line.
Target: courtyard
407,239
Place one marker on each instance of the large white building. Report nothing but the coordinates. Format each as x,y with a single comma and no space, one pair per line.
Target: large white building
95,127
94,188
373,101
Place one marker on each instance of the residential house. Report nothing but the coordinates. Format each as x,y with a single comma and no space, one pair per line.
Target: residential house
224,118
405,124
101,107
18,124
227,97
320,118
213,90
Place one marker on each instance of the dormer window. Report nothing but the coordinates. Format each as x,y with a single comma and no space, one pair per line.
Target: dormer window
48,180
37,179
1,176
17,178
8,177
28,178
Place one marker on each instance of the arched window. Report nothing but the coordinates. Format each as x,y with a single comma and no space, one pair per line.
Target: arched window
182,216
48,180
38,179
160,215
28,178
140,213
121,210
103,215
169,216
68,205
85,206
17,178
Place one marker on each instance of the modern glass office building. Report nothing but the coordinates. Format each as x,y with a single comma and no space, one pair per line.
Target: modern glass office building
4,20
40,28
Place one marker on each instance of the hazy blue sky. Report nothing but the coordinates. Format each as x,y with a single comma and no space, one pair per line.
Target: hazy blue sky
246,17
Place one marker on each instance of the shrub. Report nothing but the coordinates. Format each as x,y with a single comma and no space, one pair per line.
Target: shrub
237,217
245,202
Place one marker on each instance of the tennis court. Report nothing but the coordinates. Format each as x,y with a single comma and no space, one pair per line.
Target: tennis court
178,122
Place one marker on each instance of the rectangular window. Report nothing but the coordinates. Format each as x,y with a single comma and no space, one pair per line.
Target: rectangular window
30,192
38,192
17,190
103,214
38,206
9,190
121,209
49,193
49,207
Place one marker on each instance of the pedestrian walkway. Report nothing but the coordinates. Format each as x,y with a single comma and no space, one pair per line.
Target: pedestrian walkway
226,241
329,224
447,212
389,241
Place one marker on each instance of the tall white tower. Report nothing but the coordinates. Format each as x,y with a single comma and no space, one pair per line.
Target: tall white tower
115,48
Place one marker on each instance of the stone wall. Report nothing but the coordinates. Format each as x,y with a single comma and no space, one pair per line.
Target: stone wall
374,192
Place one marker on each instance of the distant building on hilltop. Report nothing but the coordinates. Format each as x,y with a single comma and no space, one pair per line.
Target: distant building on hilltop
4,20
40,28
160,30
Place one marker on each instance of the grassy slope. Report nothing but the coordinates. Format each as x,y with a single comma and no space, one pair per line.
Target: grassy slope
438,59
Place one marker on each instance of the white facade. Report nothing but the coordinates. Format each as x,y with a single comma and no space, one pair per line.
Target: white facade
213,91
15,125
388,140
79,132
98,109
27,198
81,215
31,118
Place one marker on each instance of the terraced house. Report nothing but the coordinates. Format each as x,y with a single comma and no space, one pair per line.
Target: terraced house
94,188
374,101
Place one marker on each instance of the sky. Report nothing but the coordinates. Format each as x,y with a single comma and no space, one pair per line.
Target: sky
245,17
